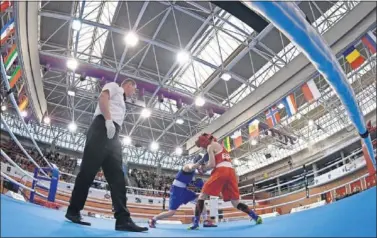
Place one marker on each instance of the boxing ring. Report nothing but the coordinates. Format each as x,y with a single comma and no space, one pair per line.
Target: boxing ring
27,219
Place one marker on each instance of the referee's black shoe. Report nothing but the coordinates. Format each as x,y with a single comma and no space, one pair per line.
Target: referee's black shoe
126,224
76,218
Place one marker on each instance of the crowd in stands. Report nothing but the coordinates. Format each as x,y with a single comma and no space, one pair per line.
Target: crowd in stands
152,180
63,162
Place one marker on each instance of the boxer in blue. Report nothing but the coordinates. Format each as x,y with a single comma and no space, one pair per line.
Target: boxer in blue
180,194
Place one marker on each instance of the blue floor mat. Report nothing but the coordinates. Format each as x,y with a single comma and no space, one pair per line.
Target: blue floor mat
351,217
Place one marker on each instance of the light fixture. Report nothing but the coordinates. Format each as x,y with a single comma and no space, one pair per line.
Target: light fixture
24,113
183,57
270,146
46,120
281,106
72,64
72,127
131,39
76,24
226,77
298,116
254,142
180,121
71,93
178,151
3,108
310,122
154,146
146,112
127,140
199,101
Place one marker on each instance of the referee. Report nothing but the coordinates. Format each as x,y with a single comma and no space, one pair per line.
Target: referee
103,149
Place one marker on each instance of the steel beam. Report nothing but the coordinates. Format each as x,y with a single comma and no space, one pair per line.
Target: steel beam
342,34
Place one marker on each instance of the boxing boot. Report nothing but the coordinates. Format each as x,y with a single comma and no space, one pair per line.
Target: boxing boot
152,223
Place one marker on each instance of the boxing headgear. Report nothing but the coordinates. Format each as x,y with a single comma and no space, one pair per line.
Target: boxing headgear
204,140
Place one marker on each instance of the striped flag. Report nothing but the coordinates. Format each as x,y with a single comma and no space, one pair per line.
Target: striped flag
369,40
290,105
4,5
237,139
15,76
272,116
6,31
11,57
310,91
23,102
353,57
254,128
226,143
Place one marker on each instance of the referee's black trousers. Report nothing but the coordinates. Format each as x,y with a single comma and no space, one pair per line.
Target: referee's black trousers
100,152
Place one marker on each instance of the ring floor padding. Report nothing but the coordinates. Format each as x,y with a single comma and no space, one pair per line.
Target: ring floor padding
351,217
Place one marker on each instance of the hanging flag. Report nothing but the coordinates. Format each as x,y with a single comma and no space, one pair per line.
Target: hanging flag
11,57
23,102
20,89
290,105
310,91
272,116
226,143
6,31
353,57
254,128
370,41
237,139
15,76
4,5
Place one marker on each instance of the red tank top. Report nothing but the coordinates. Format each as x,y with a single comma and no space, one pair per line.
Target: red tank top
222,156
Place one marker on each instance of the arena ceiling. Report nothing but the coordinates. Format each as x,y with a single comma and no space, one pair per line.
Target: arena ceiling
210,36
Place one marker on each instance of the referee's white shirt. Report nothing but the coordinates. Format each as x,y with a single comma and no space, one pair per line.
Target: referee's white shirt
116,103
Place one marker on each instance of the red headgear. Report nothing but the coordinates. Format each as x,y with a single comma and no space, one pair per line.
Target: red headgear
204,140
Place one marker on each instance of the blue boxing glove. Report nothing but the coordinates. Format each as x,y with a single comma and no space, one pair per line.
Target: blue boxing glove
205,159
198,183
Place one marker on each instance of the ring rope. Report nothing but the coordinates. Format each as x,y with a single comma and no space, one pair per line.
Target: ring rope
16,165
21,147
8,88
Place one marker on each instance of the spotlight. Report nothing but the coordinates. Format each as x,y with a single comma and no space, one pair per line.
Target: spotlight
199,101
298,116
254,142
180,121
154,146
3,108
76,25
161,98
146,112
270,146
72,127
72,64
281,106
310,123
127,140
24,113
183,57
71,93
82,77
226,77
131,39
47,120
178,151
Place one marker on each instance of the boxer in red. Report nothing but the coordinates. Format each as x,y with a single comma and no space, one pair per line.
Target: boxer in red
223,179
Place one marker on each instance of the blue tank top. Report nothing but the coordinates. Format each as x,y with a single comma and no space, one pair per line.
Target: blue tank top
185,177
